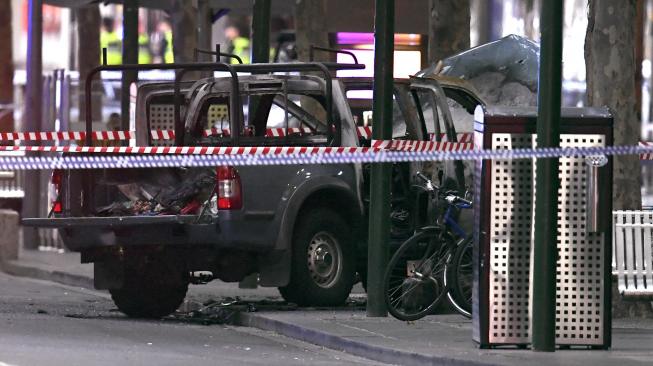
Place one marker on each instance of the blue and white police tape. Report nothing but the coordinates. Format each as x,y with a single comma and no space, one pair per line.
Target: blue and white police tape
160,161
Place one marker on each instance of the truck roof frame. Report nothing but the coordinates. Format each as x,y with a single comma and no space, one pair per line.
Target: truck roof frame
324,68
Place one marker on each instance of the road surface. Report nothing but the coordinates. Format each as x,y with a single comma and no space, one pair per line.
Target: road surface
43,323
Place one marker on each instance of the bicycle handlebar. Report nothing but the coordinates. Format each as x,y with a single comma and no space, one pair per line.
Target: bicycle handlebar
453,199
449,196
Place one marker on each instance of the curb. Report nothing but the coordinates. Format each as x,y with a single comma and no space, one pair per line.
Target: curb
376,353
10,267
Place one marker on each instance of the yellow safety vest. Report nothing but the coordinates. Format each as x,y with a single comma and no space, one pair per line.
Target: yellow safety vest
113,44
144,56
169,56
241,48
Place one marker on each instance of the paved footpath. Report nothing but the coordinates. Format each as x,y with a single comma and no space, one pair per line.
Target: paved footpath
435,340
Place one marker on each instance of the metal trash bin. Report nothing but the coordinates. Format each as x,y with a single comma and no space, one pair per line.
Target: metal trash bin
505,191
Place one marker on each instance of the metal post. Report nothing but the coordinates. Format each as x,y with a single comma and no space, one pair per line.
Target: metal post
379,225
33,114
261,32
129,55
544,253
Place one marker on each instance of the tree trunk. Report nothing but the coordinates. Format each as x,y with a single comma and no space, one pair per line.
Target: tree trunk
6,68
88,57
610,62
639,55
311,29
531,12
184,30
448,28
310,20
480,22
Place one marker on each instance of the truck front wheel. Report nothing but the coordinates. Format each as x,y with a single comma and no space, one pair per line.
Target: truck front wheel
152,289
323,261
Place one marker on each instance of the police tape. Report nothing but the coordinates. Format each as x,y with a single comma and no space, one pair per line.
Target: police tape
347,157
190,150
249,150
363,132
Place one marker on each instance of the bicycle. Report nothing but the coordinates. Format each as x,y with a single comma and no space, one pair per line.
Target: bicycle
434,262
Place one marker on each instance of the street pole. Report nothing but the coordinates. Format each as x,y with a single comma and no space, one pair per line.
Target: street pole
33,115
129,55
379,225
544,253
261,32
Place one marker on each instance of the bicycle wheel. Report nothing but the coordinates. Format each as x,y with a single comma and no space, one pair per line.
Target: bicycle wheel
413,281
459,276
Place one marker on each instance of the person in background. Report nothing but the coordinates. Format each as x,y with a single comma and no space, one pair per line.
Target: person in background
162,43
239,45
144,51
110,40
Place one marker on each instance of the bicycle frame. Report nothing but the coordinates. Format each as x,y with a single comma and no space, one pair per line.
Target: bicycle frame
450,221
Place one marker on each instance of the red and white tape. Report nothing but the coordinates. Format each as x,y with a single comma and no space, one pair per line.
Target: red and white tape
406,145
421,146
646,156
193,150
363,132
66,135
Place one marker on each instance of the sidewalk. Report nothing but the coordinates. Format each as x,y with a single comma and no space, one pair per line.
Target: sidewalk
441,340
435,340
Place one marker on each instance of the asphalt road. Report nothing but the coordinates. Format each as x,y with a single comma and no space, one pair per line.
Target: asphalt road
43,323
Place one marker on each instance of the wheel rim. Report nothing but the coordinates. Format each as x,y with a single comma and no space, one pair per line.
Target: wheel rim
324,259
412,292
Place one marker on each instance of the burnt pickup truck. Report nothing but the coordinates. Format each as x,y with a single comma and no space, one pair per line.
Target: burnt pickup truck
152,232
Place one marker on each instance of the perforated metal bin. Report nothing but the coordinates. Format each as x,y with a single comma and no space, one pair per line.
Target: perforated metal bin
504,193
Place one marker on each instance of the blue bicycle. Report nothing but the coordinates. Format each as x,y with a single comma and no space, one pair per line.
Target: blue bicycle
435,262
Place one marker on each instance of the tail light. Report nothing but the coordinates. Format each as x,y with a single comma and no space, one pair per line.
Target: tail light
55,180
228,188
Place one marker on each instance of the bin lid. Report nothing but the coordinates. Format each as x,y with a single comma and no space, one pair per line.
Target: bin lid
527,116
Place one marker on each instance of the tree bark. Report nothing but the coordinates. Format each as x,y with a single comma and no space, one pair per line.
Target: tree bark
184,30
311,28
88,56
531,12
610,62
639,55
448,28
6,68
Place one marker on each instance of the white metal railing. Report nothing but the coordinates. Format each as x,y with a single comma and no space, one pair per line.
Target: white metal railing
632,258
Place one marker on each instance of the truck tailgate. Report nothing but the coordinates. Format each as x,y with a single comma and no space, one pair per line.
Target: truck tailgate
79,233
114,221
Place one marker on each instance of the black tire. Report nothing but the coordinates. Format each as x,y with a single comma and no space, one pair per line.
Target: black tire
410,296
152,290
460,278
323,269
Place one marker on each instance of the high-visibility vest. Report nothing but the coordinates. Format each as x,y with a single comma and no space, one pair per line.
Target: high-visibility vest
144,56
168,56
112,42
241,48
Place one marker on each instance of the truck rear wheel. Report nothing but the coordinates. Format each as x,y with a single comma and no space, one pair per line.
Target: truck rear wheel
323,261
151,290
